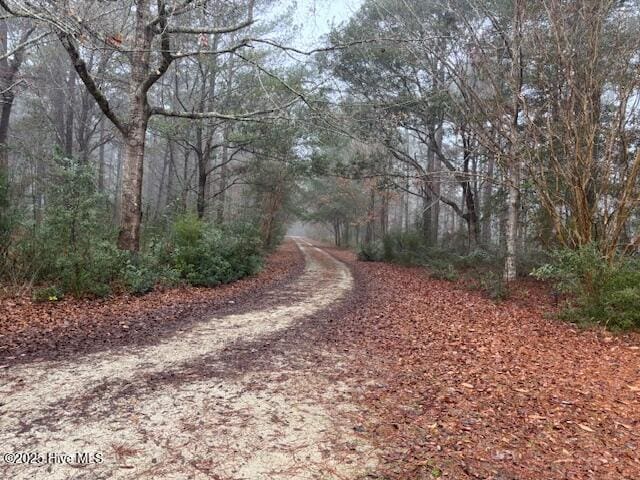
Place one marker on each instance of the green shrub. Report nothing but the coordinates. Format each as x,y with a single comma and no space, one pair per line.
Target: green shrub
529,259
494,285
584,269
370,252
139,279
9,220
207,256
48,294
91,269
446,271
622,308
603,292
475,259
153,265
404,247
73,246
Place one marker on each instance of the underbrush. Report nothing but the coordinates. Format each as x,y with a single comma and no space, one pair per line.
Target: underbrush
72,249
479,269
204,255
195,253
598,291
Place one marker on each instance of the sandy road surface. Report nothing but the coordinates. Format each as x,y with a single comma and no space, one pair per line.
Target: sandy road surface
183,408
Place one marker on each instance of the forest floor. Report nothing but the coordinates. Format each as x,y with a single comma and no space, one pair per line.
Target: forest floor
320,367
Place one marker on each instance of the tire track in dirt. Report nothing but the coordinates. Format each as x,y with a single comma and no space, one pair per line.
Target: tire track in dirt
150,418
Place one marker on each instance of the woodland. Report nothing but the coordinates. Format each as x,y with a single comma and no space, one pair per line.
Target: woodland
163,142
388,239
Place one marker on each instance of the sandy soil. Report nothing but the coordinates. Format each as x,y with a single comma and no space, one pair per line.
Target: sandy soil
185,407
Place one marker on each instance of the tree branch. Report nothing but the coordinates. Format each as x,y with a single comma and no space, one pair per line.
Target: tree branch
81,68
165,48
223,116
24,44
213,31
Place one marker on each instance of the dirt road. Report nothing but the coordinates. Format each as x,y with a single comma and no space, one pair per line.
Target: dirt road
346,370
185,407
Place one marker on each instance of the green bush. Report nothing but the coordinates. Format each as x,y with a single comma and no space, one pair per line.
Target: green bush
72,250
9,219
204,255
406,248
139,279
371,252
48,294
474,259
72,247
444,272
530,258
622,308
601,291
493,284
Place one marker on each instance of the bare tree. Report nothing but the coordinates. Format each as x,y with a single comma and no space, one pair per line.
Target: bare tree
160,34
10,62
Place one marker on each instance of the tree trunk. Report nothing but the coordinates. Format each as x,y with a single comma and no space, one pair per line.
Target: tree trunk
487,192
513,166
134,133
435,186
220,207
7,104
172,174
223,179
406,209
161,189
8,71
202,162
426,216
186,181
512,224
131,192
384,213
101,159
202,187
69,113
370,232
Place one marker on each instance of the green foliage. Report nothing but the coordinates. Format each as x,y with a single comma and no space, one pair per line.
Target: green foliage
207,256
8,221
480,268
573,270
475,259
196,253
404,247
444,271
602,292
72,250
622,307
73,246
139,278
493,283
339,204
370,252
411,248
48,294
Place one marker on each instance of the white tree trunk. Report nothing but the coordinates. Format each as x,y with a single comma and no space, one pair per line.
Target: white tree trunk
512,223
